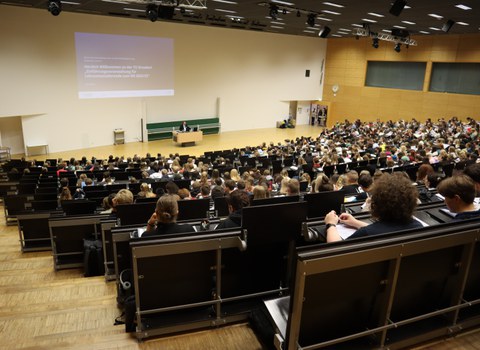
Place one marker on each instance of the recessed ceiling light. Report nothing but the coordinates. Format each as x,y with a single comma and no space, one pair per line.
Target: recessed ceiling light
331,12
324,19
133,10
309,31
407,7
338,36
357,25
435,16
227,2
433,28
375,14
369,20
282,24
278,27
463,7
332,4
283,2
236,17
386,30
228,11
424,32
72,3
408,22
461,23
345,29
400,27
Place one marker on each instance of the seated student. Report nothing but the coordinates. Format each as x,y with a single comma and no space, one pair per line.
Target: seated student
65,195
393,201
321,184
473,171
260,192
293,187
459,193
352,186
164,219
184,127
145,191
236,200
123,196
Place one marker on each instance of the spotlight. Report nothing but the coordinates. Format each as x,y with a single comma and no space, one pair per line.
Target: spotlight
397,7
54,7
323,33
448,25
397,47
166,12
298,14
273,11
152,12
375,43
311,20
284,11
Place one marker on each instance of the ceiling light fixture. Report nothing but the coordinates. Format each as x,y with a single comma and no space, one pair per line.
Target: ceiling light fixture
397,7
463,7
273,11
54,7
396,38
152,12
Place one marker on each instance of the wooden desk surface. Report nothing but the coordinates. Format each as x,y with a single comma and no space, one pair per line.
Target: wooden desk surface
190,136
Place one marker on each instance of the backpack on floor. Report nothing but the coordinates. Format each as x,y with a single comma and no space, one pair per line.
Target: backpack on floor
93,257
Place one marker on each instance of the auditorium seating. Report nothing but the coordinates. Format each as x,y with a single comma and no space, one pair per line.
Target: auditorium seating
391,291
231,270
34,232
67,235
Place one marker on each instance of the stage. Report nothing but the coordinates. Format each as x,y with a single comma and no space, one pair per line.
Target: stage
221,141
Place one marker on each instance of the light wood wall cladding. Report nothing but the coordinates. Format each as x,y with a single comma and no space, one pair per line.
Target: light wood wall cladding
346,65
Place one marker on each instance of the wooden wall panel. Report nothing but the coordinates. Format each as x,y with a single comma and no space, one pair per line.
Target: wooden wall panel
346,64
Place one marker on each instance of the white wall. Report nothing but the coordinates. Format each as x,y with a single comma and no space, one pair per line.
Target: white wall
250,73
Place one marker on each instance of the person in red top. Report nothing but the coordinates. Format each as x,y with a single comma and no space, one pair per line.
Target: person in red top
61,169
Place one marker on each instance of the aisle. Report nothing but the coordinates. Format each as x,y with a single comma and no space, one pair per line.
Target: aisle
41,308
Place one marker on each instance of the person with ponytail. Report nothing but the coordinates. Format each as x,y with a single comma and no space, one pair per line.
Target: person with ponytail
164,219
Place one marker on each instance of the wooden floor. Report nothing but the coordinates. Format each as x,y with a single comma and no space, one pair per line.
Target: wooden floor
44,309
222,141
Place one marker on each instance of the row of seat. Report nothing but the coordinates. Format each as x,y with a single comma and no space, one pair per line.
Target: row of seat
242,268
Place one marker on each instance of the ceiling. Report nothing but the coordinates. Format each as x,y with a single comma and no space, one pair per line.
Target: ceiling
292,15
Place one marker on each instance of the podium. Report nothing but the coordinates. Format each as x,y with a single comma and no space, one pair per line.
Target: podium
187,138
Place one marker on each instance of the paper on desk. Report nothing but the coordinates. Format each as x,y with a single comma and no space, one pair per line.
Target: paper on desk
345,231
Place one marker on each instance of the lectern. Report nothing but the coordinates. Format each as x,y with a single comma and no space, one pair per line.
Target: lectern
187,138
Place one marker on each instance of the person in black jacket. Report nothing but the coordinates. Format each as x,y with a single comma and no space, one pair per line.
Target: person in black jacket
184,127
164,219
236,201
